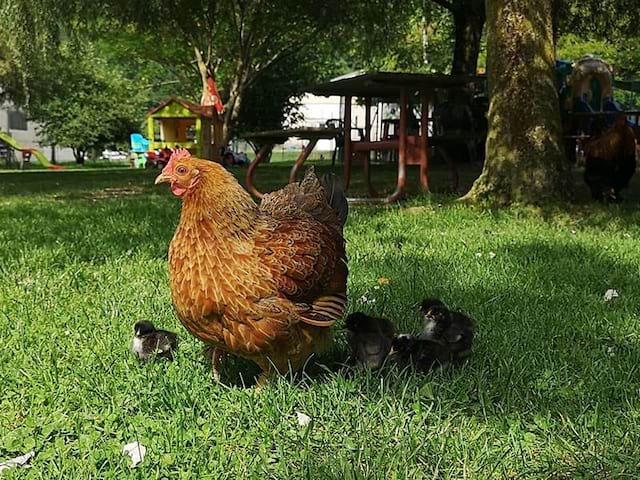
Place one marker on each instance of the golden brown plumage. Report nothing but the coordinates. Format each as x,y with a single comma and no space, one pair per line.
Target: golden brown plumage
262,282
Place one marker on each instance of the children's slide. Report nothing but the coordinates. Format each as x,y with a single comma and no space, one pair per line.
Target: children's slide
11,142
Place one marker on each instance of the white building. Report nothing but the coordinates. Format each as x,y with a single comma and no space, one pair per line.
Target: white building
317,111
25,133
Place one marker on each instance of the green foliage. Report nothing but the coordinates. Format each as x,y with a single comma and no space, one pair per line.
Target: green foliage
606,19
30,32
551,390
413,36
84,102
621,53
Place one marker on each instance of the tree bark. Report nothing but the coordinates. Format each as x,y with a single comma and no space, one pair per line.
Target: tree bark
234,104
79,154
468,19
524,154
206,139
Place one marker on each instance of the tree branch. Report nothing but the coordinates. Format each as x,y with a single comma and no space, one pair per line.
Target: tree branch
446,4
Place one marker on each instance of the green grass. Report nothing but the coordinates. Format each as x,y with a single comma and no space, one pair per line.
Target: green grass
551,391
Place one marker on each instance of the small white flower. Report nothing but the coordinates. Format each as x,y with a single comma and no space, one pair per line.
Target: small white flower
303,419
627,235
573,232
492,255
67,332
611,294
478,254
136,451
611,351
129,252
376,287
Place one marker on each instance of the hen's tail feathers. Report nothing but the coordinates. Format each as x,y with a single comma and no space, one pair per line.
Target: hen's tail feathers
335,195
326,310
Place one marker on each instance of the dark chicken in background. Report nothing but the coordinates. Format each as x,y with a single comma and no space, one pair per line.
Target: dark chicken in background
610,161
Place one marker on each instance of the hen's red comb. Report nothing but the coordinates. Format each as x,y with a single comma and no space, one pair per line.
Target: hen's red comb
178,154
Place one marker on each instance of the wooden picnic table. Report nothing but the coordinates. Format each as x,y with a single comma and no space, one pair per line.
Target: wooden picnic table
268,139
412,149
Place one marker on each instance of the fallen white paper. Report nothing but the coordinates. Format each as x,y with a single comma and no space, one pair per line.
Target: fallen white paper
17,462
610,294
136,451
303,419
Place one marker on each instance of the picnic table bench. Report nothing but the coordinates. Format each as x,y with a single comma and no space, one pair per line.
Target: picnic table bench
268,139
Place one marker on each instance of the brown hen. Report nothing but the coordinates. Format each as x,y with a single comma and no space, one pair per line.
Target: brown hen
261,282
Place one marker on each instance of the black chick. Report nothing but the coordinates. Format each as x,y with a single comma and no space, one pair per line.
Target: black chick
370,339
148,341
420,354
453,330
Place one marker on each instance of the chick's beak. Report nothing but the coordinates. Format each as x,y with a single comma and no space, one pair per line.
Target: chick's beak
163,178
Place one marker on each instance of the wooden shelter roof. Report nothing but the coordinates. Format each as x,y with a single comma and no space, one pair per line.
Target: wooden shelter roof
388,84
195,108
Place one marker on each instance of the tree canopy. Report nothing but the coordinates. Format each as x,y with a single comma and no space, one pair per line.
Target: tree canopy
87,72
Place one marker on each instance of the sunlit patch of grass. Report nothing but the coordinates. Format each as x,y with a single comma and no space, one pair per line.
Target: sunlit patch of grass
552,389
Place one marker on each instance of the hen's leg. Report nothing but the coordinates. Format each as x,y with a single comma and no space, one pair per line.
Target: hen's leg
216,356
262,381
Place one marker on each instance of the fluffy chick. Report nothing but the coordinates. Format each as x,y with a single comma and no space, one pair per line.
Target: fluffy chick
369,338
453,330
148,341
420,354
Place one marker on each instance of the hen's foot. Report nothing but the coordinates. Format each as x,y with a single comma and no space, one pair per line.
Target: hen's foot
262,382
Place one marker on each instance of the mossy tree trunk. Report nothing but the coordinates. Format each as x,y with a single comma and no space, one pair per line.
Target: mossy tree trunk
468,18
524,154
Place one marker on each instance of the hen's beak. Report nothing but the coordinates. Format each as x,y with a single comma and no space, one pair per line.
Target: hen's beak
162,178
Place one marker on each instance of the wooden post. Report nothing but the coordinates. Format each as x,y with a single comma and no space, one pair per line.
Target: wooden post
424,141
347,141
301,159
402,153
261,155
367,154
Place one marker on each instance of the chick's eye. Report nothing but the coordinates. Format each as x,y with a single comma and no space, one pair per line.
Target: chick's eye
181,170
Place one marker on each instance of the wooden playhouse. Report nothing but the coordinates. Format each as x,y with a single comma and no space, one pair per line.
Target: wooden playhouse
178,122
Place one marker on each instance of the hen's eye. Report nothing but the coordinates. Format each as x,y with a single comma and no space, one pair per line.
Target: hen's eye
181,170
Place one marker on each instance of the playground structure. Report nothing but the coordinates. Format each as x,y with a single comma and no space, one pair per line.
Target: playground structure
180,123
26,153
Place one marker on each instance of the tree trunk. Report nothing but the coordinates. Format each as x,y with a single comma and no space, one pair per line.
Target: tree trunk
233,105
524,155
468,19
79,154
202,69
207,148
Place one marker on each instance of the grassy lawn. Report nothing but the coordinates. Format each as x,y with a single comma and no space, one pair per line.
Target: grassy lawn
552,390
